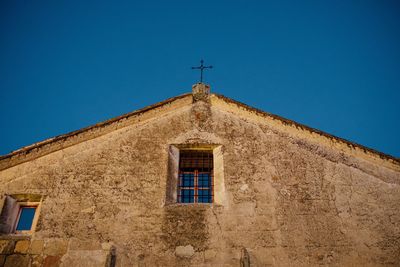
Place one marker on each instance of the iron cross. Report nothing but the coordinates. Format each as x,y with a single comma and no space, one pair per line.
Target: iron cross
201,68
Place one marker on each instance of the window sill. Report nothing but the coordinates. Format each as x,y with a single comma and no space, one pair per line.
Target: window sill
15,236
193,205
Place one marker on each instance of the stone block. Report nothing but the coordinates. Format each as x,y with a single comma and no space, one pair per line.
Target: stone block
17,260
7,246
78,244
87,258
201,91
51,261
184,251
54,247
22,246
36,247
245,208
209,254
37,261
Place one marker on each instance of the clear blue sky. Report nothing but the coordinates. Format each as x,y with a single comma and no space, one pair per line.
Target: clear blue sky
332,65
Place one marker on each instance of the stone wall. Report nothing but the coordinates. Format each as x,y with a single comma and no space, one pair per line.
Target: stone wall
289,200
49,252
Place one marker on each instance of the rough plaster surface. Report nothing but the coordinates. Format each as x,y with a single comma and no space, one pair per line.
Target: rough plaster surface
291,200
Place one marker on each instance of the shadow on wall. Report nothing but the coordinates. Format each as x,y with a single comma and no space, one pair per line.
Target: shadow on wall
184,225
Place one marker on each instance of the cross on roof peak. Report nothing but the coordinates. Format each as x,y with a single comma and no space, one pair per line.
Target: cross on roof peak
201,68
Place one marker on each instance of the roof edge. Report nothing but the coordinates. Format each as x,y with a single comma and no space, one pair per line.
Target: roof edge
310,129
38,145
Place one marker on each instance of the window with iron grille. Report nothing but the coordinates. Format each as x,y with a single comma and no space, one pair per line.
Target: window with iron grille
195,183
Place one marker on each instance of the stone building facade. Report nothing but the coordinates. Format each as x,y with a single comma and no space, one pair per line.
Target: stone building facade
283,194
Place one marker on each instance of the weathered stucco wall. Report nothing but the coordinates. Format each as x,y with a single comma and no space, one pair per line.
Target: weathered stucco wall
291,200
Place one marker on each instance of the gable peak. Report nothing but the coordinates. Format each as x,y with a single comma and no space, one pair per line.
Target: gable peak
200,91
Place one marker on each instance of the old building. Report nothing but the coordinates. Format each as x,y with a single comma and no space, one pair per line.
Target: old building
199,180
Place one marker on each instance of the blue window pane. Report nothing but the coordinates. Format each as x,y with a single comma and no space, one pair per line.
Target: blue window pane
204,199
26,218
204,196
187,179
204,192
204,180
187,195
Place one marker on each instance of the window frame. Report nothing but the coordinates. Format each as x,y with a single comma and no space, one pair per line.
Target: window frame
11,209
172,181
20,206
